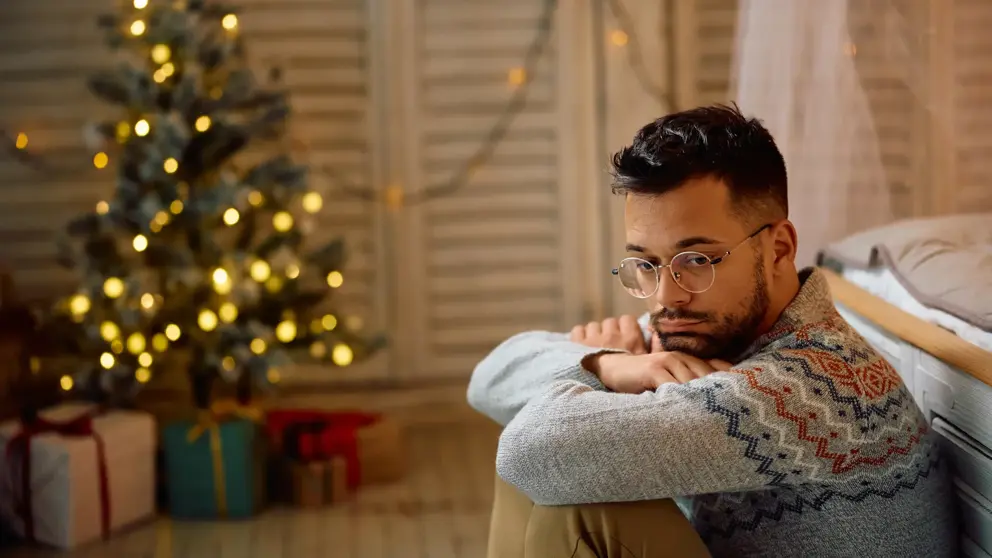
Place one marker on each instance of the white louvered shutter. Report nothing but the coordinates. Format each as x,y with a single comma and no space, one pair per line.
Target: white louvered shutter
488,261
703,39
47,50
971,103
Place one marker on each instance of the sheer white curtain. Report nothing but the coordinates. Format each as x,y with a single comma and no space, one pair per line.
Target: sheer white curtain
795,70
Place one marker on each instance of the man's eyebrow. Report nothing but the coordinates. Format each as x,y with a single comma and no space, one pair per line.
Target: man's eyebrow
694,240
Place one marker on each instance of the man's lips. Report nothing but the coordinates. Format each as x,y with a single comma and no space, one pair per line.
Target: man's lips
676,326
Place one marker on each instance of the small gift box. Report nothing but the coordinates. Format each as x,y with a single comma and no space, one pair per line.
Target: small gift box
319,483
371,445
73,475
214,468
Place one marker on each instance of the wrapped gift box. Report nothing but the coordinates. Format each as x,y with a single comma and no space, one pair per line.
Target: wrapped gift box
371,445
210,480
68,501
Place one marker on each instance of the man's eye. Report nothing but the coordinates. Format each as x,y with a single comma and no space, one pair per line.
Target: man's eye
645,266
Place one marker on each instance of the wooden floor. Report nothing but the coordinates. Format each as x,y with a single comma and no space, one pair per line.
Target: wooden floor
440,511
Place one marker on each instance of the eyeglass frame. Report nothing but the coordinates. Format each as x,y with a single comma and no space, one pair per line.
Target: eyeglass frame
713,262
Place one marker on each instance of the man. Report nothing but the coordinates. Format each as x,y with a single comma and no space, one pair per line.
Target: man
777,428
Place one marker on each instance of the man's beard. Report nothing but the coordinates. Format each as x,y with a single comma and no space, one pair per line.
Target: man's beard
732,333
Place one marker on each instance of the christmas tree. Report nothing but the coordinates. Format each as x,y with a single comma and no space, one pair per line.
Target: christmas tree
199,250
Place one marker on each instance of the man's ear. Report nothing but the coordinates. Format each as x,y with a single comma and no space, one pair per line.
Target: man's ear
785,243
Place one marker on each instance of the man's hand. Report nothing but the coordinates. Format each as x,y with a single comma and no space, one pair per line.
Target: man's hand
622,333
625,373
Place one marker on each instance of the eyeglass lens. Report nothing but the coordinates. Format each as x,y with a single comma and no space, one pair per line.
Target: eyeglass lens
691,270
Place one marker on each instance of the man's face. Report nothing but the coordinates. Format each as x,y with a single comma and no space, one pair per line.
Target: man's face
722,321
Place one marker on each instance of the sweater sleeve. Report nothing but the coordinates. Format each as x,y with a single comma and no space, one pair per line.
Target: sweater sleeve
577,444
524,366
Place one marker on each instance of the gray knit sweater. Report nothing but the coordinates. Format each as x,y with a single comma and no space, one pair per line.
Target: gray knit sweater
810,446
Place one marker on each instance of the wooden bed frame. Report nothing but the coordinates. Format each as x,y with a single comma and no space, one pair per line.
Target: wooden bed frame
933,339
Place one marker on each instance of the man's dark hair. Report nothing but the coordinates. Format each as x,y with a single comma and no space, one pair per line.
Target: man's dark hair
715,141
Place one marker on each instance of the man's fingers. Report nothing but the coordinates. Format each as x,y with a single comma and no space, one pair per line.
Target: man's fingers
578,334
593,330
610,327
720,365
629,329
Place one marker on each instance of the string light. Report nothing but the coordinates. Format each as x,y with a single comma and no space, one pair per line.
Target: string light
335,279
342,355
176,207
123,131
162,218
222,281
517,76
22,141
259,270
619,37
142,375
79,304
170,165
257,346
65,382
101,160
147,301
136,343
102,207
145,359
312,202
329,322
292,271
255,198
207,320
202,124
142,127
168,69
272,375
117,346
107,360
228,363
172,332
282,221
159,342
113,287
161,54
140,243
318,349
109,331
138,28
231,216
159,76
286,331
230,22
273,284
228,312
140,4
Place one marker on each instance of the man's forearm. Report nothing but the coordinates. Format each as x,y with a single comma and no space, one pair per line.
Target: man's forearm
524,366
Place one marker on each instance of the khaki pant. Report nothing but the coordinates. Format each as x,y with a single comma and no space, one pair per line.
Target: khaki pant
653,529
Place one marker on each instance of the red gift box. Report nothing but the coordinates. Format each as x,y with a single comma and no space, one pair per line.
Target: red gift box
370,444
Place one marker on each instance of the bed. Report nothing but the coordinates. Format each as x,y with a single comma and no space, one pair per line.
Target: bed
920,291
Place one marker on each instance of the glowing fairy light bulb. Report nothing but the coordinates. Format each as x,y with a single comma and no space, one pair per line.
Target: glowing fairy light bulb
147,301
142,375
172,332
312,202
159,342
342,355
257,346
619,38
230,22
318,349
140,243
202,124
140,4
282,221
161,54
231,216
102,207
135,343
228,312
176,207
170,165
286,331
109,331
329,322
255,198
79,304
335,279
260,270
138,28
145,359
107,360
113,287
66,383
142,127
101,160
207,320
22,141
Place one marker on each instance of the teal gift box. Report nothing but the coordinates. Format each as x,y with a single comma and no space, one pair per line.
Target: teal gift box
214,471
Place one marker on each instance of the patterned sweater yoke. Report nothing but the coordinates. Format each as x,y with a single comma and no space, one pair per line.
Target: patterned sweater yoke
810,445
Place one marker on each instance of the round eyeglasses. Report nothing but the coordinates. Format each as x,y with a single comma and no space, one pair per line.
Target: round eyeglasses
692,271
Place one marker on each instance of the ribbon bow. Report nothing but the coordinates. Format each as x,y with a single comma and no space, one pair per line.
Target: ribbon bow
79,426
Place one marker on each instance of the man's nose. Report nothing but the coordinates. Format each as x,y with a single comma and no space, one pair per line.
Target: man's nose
669,293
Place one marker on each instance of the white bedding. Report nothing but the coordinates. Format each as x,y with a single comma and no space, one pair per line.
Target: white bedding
882,283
